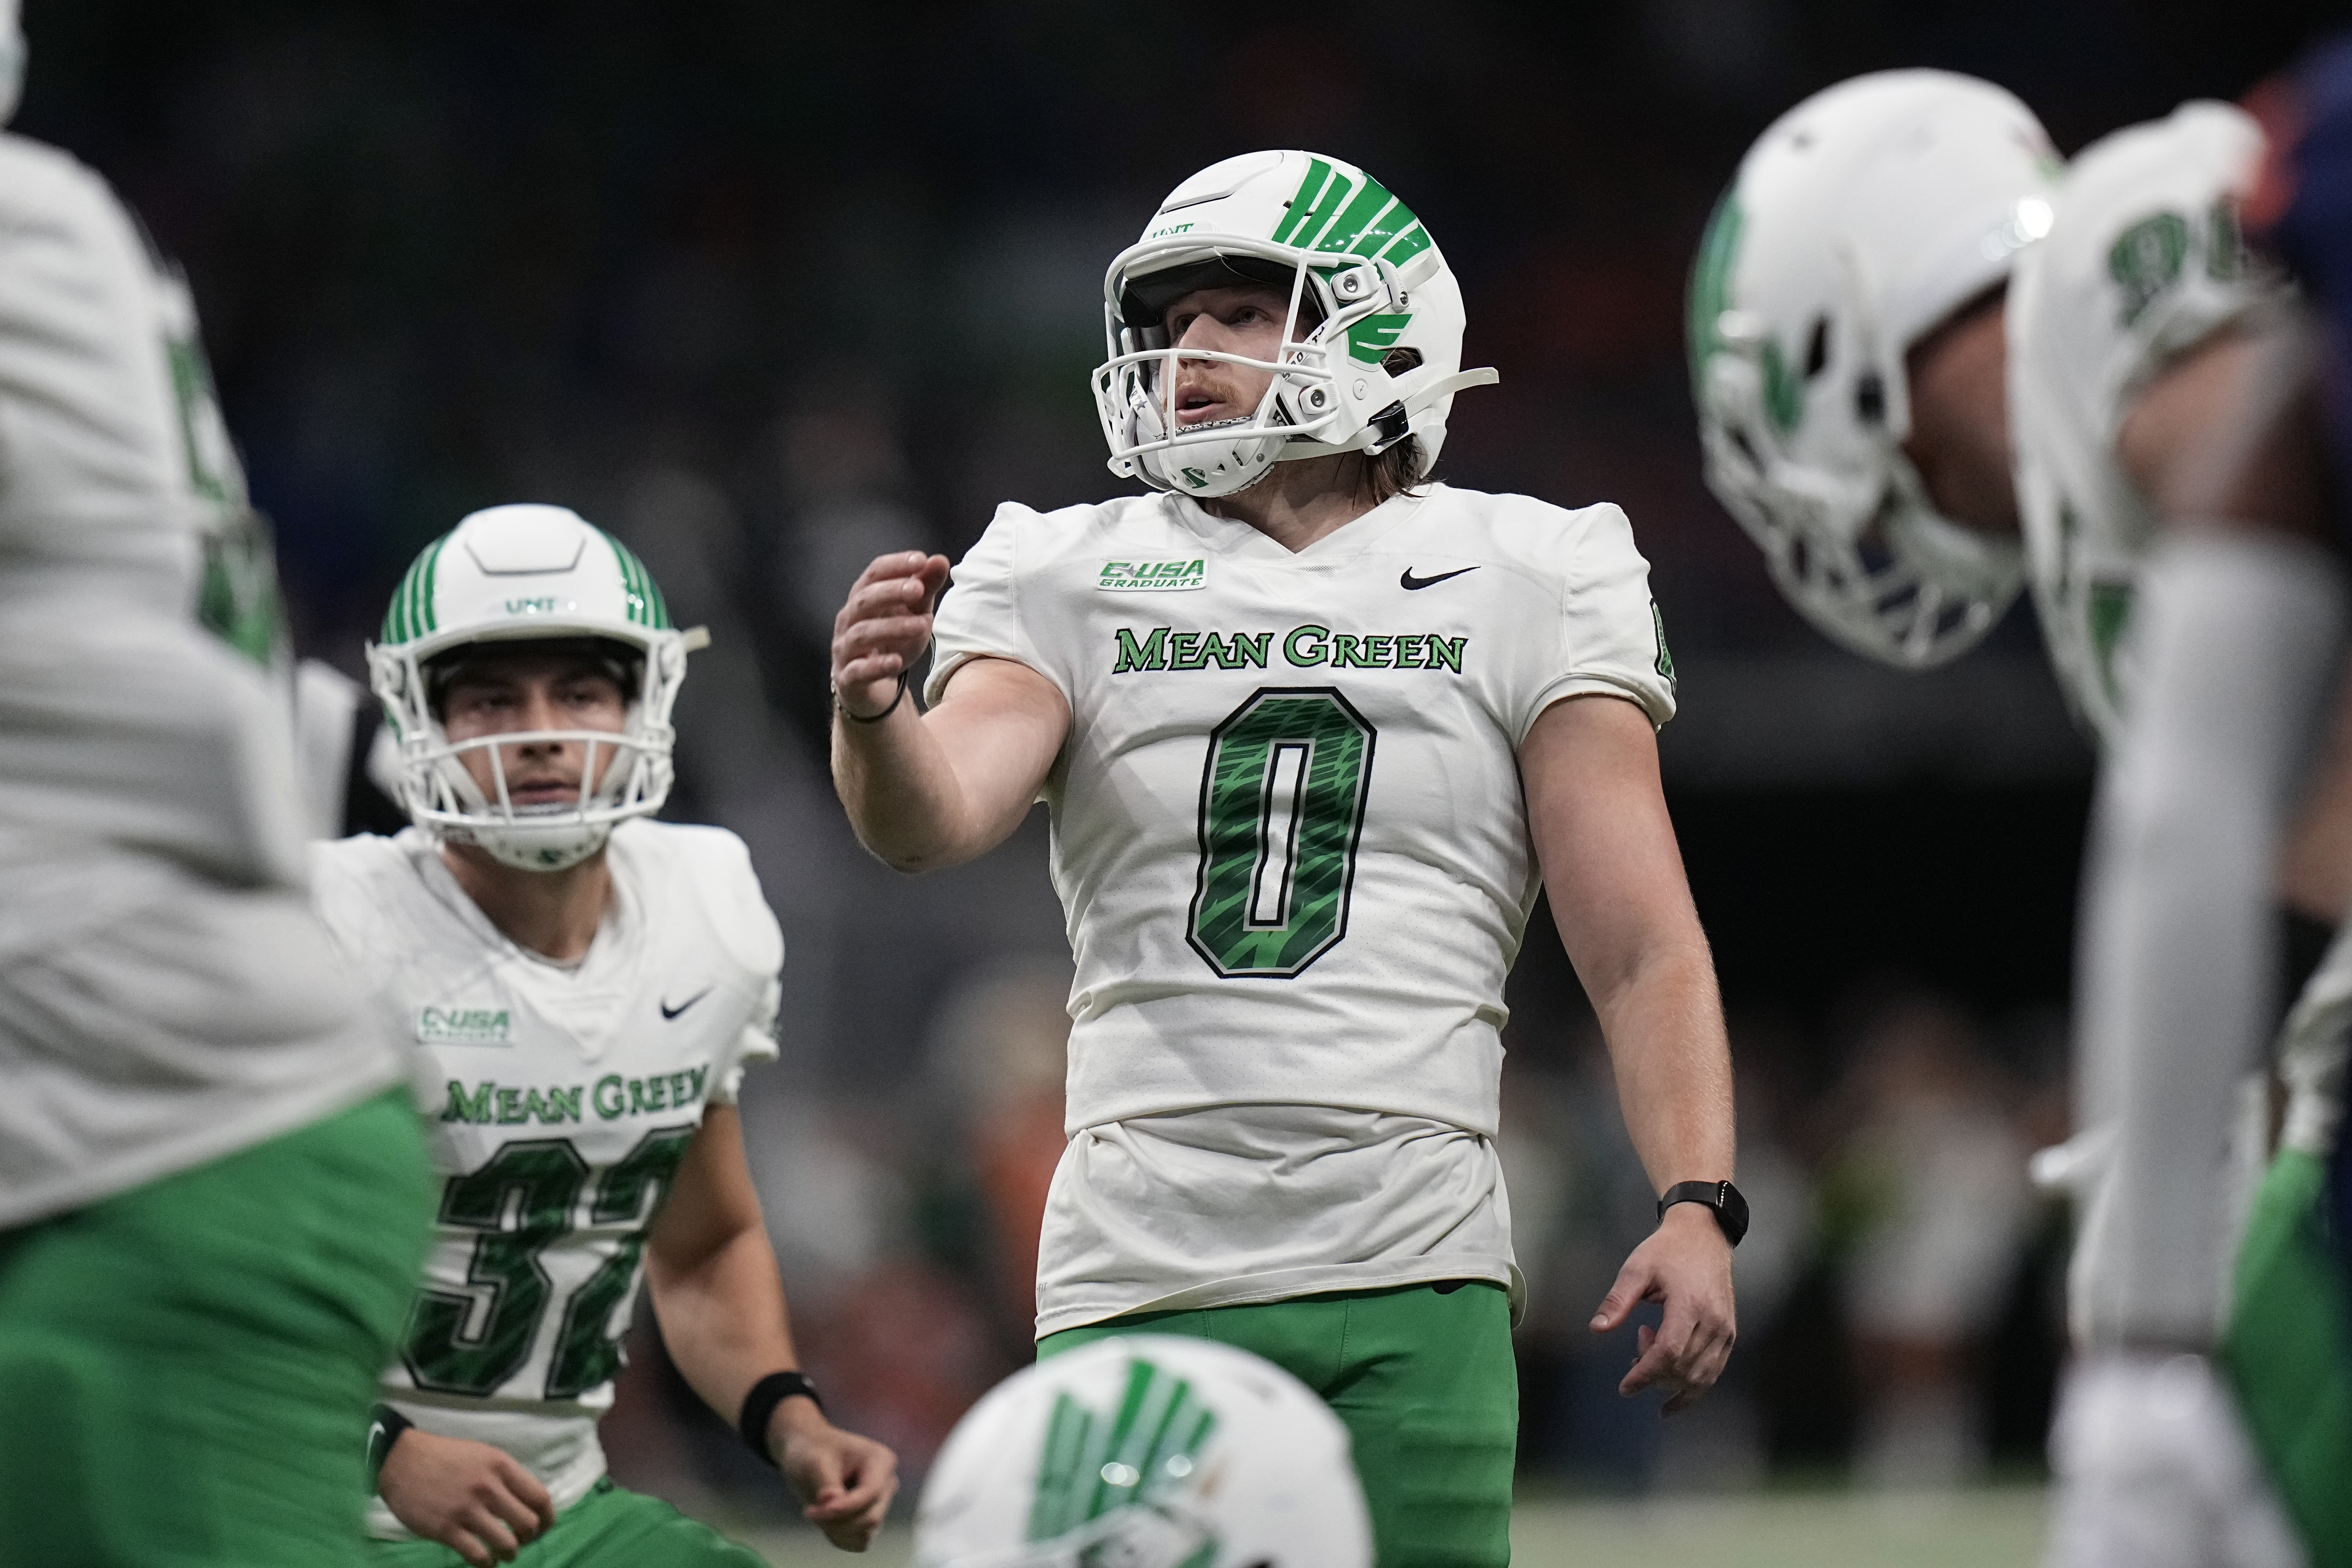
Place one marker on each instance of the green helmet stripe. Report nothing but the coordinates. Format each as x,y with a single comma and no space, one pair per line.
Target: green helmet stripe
646,606
411,615
427,619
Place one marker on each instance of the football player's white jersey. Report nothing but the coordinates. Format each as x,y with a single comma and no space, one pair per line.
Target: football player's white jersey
559,1103
147,778
1289,836
2144,262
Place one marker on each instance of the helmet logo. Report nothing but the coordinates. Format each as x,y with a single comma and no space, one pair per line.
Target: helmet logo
1095,1464
1195,477
1371,338
541,606
1322,217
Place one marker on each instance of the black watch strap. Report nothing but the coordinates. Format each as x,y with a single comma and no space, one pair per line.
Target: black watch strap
1721,1198
385,1427
761,1404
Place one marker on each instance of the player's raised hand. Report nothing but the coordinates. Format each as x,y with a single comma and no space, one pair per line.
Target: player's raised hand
845,1481
471,1498
1686,1264
884,628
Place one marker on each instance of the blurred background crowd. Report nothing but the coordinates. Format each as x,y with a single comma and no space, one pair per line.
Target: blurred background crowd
766,288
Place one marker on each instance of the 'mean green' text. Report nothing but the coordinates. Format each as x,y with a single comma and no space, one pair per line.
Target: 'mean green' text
612,1096
1304,648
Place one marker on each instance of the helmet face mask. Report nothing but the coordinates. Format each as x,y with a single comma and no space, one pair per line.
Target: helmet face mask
527,574
1371,339
1864,219
12,58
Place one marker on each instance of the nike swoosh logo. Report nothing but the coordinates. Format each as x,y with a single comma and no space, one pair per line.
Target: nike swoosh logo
1409,582
669,1012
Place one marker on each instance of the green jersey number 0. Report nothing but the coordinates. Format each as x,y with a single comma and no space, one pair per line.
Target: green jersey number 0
1282,812
521,1200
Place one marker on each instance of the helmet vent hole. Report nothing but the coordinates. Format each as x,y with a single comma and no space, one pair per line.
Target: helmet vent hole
1870,399
1398,362
1817,347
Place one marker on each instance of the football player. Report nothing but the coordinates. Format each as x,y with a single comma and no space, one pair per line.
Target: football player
212,1194
1913,334
585,987
1150,1451
1314,730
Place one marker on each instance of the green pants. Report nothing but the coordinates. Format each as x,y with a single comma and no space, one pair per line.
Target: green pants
186,1368
1422,1376
2288,1356
609,1528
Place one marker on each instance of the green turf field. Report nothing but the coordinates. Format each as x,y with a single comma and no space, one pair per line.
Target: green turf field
1991,1528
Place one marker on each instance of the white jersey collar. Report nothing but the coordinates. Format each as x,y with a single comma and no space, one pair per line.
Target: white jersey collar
1232,537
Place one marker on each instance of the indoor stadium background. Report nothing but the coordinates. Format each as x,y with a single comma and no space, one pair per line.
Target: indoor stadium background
767,288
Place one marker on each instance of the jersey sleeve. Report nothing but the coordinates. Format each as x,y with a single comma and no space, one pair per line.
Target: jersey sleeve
2145,260
1611,638
757,1043
981,616
737,910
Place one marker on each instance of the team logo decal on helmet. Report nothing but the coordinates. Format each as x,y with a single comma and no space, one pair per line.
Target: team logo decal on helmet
1149,1451
1372,346
528,573
1859,222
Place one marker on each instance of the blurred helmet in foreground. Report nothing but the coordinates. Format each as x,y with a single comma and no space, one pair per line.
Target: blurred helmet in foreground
1859,222
530,573
1146,1451
1371,348
12,58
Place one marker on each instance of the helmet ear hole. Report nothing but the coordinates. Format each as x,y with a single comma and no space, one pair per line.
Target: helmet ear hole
1870,399
1398,362
1817,347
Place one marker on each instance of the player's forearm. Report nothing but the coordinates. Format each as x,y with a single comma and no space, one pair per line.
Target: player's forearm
904,798
938,789
2236,635
723,1318
1665,1028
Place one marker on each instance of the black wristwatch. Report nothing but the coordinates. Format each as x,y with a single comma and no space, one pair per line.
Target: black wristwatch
1729,1209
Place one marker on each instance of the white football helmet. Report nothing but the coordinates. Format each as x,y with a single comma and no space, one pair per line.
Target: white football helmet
12,58
1146,1451
528,573
1372,351
1860,221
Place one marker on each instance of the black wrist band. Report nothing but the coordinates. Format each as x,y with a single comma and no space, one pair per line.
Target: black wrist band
877,719
385,1427
1722,1199
761,1404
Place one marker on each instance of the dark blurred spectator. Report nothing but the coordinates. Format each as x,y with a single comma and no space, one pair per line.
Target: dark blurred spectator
1928,1203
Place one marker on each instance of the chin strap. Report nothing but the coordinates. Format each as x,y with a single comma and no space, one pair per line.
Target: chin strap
1394,423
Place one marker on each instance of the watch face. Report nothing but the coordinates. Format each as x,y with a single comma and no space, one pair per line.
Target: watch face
1731,1213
